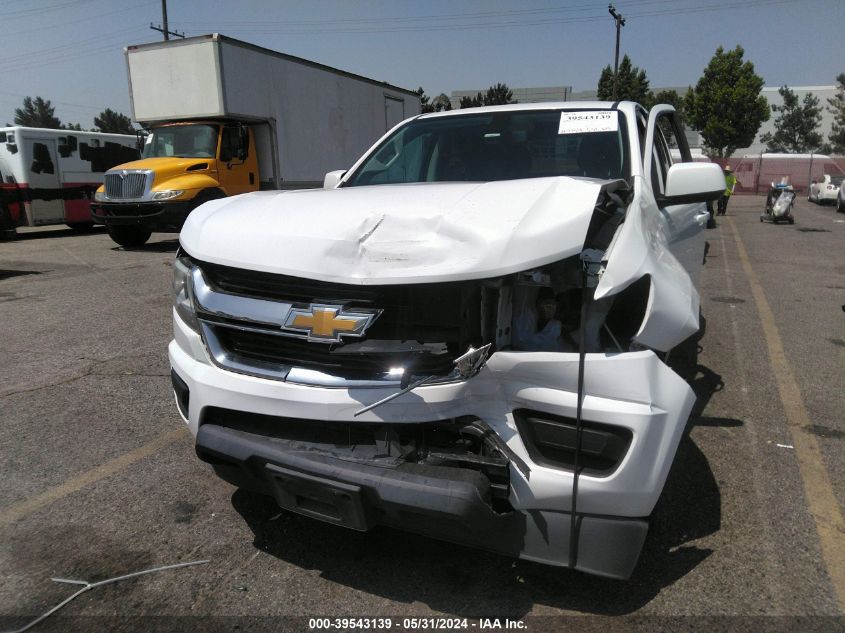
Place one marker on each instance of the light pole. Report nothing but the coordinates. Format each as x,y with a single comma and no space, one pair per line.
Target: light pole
620,22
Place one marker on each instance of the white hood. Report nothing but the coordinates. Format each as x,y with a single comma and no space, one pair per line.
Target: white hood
397,234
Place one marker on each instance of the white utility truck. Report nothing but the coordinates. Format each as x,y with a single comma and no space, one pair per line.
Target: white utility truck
49,176
226,117
464,334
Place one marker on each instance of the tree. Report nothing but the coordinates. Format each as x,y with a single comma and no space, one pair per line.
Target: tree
114,122
836,106
797,125
71,126
441,103
632,85
424,105
37,113
499,94
472,102
726,106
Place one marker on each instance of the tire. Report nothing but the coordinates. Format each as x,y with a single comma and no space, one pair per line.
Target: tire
792,220
7,225
840,208
132,235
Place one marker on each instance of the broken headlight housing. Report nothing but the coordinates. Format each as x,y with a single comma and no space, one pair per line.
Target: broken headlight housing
183,292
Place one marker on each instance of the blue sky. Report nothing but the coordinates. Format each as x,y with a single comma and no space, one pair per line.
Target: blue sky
71,51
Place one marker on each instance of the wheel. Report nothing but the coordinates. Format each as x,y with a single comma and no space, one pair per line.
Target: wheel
792,220
7,225
761,219
840,208
133,235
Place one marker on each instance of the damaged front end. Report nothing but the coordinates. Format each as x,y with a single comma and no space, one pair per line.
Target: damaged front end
524,413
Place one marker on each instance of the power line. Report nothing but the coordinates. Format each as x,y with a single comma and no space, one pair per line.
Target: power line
478,25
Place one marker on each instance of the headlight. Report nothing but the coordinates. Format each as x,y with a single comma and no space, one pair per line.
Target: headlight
183,292
100,196
167,195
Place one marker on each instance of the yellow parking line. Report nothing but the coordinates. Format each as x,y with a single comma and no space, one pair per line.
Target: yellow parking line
817,487
20,510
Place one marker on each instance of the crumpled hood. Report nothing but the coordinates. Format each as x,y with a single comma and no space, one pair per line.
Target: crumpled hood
397,234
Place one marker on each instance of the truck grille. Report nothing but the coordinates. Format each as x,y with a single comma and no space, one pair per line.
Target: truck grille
126,186
421,327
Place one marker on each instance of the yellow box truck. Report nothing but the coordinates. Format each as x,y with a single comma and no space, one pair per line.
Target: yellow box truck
223,117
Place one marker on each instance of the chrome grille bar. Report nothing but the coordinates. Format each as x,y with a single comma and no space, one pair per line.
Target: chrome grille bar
127,185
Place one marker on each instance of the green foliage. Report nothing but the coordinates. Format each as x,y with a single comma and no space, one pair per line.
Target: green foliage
499,94
37,113
797,125
836,106
72,126
114,122
726,106
633,84
441,102
424,105
472,102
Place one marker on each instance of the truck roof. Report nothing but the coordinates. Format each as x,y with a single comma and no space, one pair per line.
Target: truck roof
61,132
218,37
546,105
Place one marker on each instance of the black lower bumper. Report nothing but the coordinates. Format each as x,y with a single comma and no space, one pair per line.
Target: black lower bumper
156,215
441,502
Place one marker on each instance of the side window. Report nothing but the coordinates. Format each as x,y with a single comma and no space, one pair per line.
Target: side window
42,162
662,160
642,124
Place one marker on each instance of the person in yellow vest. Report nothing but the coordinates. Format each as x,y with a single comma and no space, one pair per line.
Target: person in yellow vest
730,185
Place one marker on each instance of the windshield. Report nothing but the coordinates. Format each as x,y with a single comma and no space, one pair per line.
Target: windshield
500,146
183,141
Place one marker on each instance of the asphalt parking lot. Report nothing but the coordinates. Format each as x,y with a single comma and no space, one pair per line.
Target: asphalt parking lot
99,476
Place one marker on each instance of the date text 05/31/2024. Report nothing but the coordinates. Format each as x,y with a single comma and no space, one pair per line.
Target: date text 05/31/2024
386,623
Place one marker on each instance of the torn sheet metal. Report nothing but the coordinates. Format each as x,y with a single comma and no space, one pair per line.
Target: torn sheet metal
439,232
641,247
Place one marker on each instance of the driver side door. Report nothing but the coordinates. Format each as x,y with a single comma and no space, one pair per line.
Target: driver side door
685,222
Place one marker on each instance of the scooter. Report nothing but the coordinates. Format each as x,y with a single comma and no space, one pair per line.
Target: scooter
779,204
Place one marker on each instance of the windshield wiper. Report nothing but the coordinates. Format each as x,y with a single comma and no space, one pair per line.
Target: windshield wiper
466,366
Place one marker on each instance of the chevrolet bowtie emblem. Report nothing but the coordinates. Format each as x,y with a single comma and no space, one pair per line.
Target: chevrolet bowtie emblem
328,323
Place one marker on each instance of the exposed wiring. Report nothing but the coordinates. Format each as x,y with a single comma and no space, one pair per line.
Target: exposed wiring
92,585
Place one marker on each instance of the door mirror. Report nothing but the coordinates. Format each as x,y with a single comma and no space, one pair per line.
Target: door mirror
333,178
693,182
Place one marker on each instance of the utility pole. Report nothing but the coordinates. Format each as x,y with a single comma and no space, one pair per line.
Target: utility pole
163,28
620,22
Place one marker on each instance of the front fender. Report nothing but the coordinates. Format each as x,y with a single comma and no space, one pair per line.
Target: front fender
640,248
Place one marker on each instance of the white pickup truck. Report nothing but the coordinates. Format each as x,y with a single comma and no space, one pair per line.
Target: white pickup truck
463,335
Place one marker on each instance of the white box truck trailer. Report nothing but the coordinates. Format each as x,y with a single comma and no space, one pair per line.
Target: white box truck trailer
49,176
226,117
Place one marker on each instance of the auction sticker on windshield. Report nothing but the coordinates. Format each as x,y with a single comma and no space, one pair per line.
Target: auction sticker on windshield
585,122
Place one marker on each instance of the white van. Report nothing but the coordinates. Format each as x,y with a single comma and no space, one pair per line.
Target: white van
49,176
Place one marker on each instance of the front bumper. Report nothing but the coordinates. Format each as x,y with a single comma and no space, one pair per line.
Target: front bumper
157,215
633,390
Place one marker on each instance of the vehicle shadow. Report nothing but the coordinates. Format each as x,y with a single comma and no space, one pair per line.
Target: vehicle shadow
163,246
465,582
